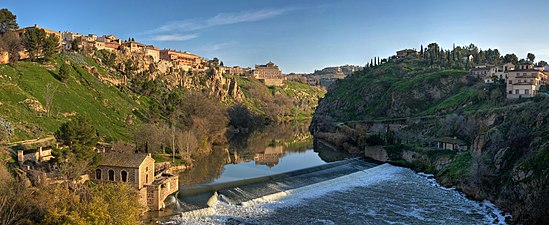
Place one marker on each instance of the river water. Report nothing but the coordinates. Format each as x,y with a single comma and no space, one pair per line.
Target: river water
350,191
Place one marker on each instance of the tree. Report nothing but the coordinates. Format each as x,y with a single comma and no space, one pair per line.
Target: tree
531,57
10,43
51,88
64,72
50,45
8,21
75,45
33,40
510,58
542,63
38,43
80,135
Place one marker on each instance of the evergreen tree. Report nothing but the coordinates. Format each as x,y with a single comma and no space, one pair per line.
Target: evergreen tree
50,45
33,40
80,135
531,57
64,72
8,21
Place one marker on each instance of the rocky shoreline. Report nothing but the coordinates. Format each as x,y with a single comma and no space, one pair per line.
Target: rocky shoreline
506,162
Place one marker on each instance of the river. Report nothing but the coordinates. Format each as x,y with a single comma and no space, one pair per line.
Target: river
235,185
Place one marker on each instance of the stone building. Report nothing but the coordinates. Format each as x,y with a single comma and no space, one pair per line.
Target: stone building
451,143
406,53
182,60
269,74
137,169
236,70
525,81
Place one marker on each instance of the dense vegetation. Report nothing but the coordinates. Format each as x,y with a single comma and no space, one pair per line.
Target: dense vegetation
402,105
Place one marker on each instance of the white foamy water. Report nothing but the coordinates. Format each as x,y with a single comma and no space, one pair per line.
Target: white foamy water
381,195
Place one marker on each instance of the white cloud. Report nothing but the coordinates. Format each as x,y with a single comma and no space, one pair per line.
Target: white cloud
175,37
171,31
242,17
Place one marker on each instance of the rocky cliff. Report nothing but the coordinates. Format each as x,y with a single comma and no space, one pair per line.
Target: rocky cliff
394,114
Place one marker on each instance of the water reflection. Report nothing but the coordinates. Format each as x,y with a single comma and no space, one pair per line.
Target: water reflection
273,149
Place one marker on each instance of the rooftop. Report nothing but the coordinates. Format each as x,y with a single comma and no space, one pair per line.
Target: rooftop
118,159
451,140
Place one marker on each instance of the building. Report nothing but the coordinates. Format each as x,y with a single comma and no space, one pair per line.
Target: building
182,60
486,71
41,154
525,81
111,46
236,70
270,157
139,171
38,150
109,38
406,53
152,51
502,72
451,143
269,74
134,46
68,38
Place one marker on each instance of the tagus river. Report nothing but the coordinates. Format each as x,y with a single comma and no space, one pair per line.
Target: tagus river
277,177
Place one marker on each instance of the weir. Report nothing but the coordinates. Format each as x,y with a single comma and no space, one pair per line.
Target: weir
236,192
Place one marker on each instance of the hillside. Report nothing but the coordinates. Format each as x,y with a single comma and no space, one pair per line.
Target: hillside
395,112
118,106
24,92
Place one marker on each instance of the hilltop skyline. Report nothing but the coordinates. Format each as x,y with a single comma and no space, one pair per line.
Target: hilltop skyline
301,37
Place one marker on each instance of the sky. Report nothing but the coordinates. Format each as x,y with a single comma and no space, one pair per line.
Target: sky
301,36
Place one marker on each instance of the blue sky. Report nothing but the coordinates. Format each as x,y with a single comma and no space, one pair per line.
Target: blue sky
304,35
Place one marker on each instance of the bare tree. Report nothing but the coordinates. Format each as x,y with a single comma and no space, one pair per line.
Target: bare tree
51,88
187,144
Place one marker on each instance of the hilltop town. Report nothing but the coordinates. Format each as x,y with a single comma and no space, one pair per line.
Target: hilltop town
162,60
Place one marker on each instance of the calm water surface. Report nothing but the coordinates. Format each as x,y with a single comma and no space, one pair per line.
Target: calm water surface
272,150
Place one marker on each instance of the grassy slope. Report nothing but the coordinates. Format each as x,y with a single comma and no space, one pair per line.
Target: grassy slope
376,88
83,93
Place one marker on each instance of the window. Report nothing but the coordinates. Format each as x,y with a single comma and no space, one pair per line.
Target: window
111,175
517,92
510,92
510,82
526,91
98,174
146,178
124,176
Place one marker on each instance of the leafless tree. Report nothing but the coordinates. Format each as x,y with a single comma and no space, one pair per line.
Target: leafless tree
51,88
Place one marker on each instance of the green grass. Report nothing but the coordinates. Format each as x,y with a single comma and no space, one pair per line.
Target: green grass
82,93
460,166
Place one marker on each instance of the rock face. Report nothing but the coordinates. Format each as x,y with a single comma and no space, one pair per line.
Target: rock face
508,157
